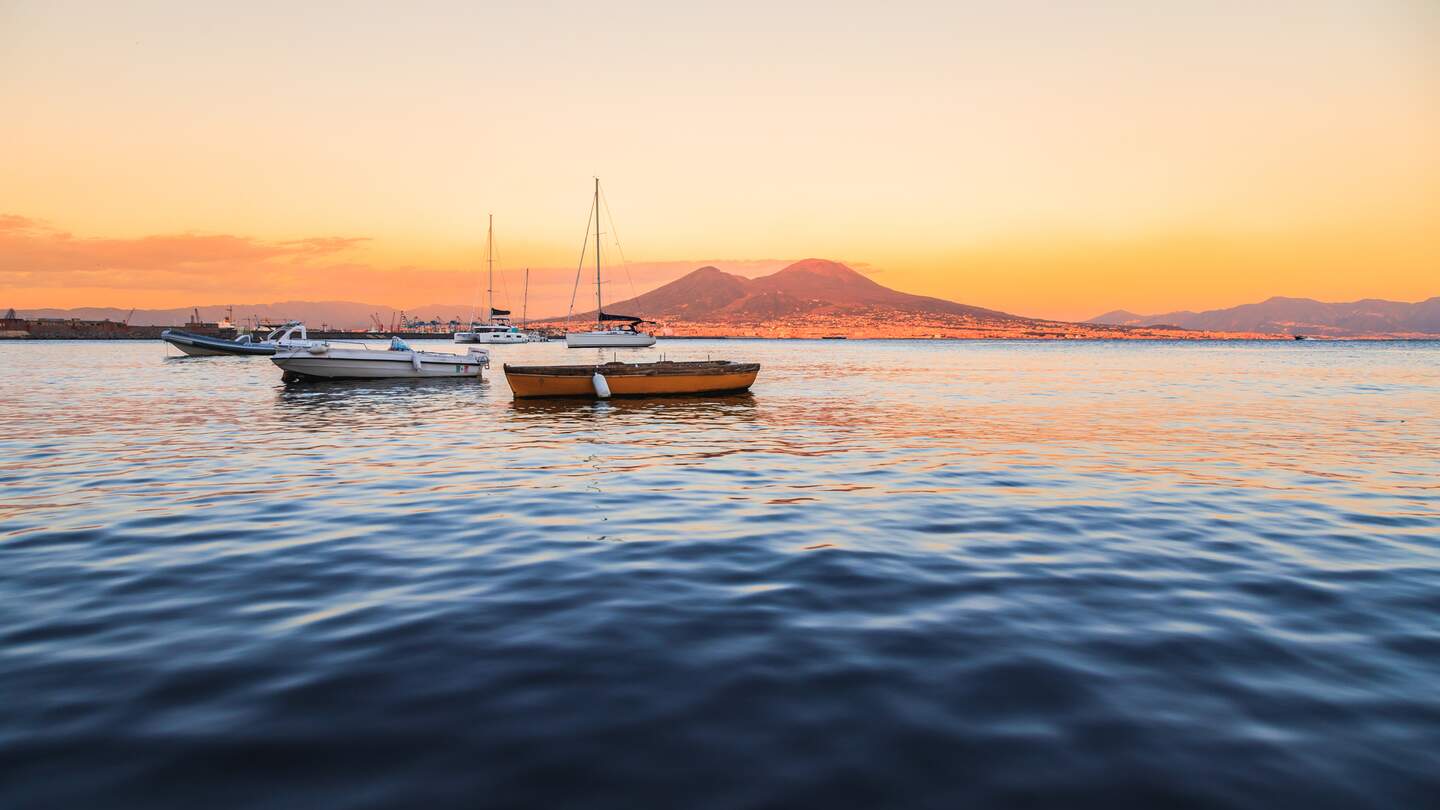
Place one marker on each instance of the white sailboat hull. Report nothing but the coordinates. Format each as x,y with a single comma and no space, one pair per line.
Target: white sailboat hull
608,340
375,364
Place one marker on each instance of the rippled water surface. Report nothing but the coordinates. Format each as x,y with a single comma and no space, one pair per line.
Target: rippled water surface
895,574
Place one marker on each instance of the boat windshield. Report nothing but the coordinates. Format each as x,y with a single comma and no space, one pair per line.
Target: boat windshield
398,345
292,328
286,331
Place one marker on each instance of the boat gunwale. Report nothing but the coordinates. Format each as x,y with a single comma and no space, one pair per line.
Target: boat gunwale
663,368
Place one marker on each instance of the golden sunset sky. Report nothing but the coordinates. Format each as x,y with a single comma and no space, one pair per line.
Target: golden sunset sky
1047,159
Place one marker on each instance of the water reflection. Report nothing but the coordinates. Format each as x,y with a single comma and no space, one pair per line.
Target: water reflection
683,408
338,392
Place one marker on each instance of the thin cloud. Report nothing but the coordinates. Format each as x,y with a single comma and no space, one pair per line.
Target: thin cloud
44,266
32,247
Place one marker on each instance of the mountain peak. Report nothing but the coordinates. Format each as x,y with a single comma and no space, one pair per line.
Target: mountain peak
821,267
1119,317
822,278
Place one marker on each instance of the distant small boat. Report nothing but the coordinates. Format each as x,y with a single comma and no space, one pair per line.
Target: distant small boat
834,337
291,335
1302,337
324,361
631,379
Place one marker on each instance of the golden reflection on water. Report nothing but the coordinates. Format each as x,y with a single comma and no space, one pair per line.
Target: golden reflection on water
893,419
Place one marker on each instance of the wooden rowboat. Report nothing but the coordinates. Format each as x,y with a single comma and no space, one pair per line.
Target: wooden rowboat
631,379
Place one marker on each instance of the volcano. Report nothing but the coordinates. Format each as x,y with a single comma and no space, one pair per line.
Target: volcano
812,287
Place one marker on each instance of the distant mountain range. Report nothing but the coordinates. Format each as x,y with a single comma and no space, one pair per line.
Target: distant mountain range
808,287
817,297
1299,316
813,287
820,298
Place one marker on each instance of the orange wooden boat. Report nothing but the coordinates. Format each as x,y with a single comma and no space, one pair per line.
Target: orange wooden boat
631,379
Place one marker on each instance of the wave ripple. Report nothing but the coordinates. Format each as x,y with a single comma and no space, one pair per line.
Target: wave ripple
897,574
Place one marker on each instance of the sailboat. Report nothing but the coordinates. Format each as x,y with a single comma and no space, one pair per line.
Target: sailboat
605,336
498,329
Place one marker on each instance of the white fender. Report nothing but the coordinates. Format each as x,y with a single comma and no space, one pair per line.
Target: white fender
602,388
415,360
319,348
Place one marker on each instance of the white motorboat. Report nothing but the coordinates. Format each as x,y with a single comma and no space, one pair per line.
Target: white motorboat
325,361
288,335
604,336
498,329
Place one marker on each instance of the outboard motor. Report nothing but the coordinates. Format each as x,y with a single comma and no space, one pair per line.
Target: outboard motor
482,355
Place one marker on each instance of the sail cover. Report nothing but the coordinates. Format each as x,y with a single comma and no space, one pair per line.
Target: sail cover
494,313
605,316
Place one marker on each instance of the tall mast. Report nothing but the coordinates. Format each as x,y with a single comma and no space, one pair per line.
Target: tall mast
599,324
525,300
490,260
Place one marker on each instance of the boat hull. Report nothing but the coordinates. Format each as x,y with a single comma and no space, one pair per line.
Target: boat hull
376,365
195,350
206,346
491,338
627,380
608,340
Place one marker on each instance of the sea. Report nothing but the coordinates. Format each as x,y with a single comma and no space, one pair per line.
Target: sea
908,574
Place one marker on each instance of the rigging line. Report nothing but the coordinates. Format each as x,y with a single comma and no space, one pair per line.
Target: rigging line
615,232
504,287
581,266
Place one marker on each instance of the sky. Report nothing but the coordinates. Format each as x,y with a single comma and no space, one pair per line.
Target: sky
1042,158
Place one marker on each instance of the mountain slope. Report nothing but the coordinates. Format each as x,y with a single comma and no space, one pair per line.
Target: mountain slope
1299,316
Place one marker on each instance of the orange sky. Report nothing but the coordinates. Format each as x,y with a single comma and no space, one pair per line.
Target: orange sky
1045,161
